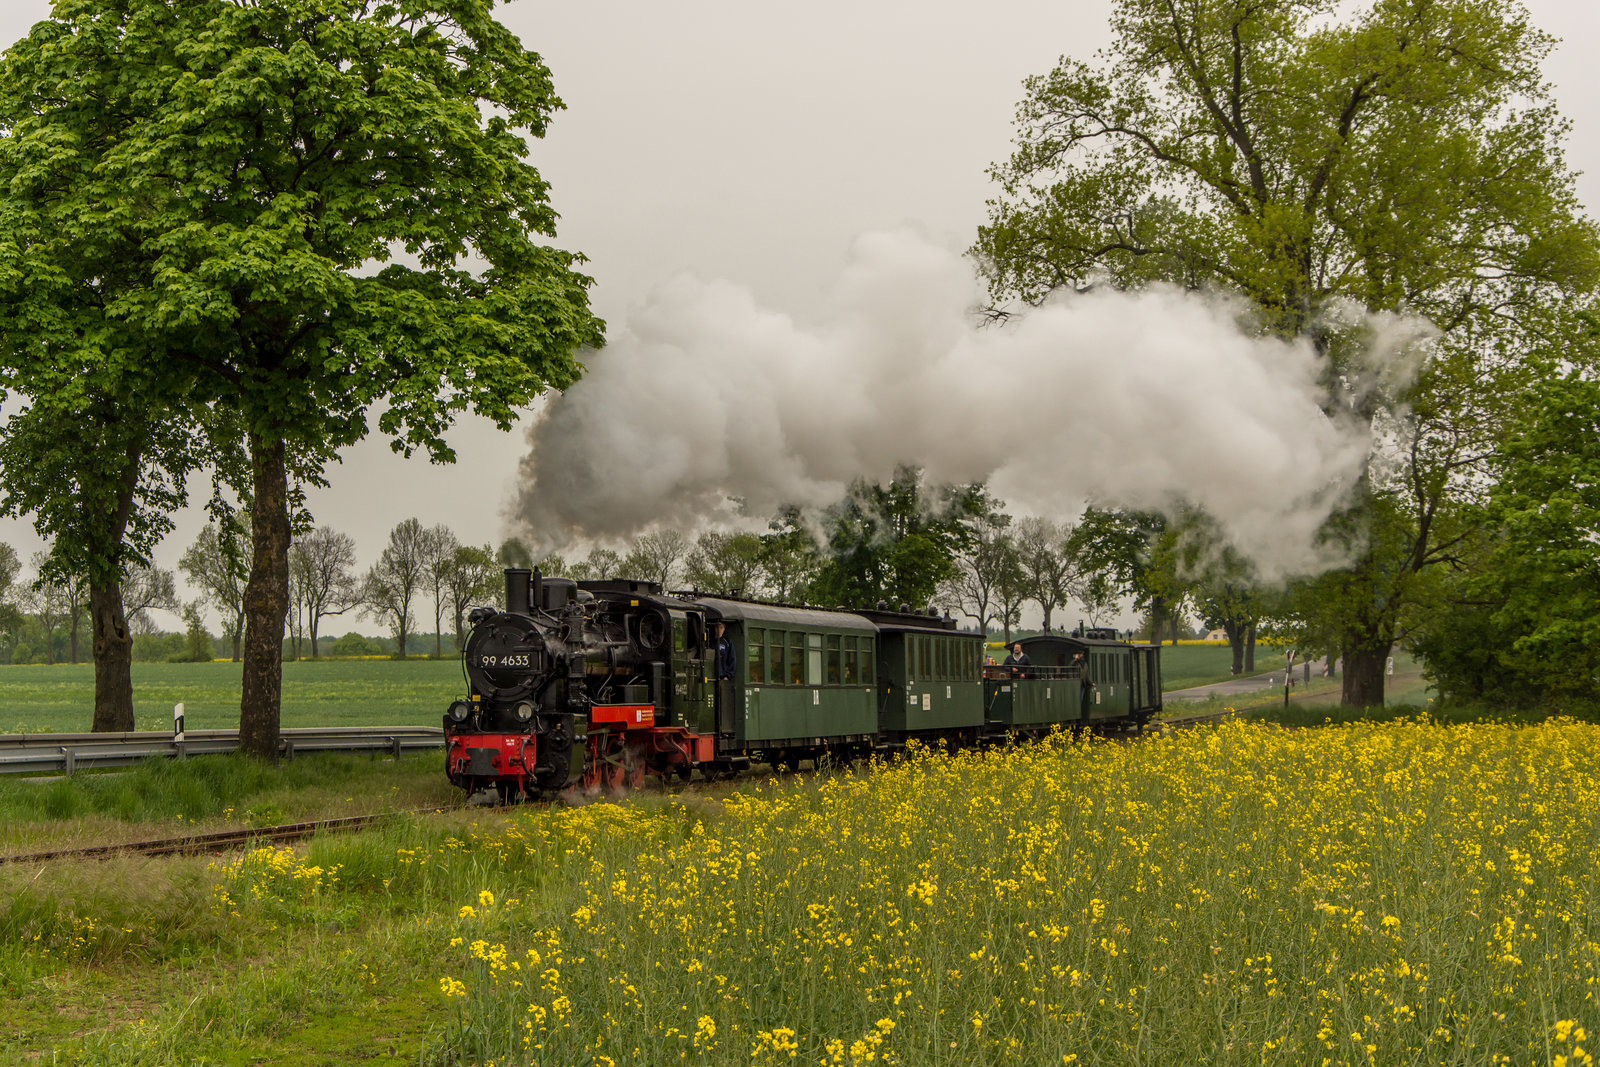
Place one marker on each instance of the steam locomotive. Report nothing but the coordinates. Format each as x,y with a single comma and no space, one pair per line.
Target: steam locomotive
605,682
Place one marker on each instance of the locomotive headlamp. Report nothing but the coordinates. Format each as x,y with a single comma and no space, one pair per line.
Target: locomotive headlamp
524,712
459,711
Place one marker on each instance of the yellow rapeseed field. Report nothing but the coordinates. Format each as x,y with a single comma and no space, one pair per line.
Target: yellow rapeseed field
1371,894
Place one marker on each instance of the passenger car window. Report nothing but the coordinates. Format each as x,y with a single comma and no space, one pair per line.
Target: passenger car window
756,655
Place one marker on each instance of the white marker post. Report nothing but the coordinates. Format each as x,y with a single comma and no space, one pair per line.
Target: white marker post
177,722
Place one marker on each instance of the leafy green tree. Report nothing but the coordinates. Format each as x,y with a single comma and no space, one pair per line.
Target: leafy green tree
603,563
790,557
1134,554
1404,155
1011,587
439,547
102,430
896,542
197,645
473,576
656,557
725,564
1536,596
271,161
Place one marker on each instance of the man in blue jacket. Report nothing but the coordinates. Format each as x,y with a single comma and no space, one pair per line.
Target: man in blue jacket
725,663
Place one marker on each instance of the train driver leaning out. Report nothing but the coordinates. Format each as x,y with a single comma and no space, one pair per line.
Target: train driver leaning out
1017,661
724,647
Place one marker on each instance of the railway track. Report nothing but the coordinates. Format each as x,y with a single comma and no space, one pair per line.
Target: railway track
221,841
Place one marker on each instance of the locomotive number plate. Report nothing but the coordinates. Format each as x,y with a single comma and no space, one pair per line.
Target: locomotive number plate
509,660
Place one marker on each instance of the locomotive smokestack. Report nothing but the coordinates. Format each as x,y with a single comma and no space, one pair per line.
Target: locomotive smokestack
517,591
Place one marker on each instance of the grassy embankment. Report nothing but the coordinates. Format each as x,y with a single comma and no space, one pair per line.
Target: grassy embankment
1409,892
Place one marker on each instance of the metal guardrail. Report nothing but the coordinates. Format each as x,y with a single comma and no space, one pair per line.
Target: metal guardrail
66,753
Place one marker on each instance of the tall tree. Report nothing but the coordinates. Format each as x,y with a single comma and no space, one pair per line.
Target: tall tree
217,565
980,569
725,564
324,560
1403,155
790,557
896,542
474,576
1048,556
603,563
101,431
275,156
439,547
655,557
393,583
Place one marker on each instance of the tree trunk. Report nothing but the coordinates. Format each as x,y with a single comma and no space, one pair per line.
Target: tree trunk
113,660
1250,649
313,627
74,636
266,600
1235,645
1363,672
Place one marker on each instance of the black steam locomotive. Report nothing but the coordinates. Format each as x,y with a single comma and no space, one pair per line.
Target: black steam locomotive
605,682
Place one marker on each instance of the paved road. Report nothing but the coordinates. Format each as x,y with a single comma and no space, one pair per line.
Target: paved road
1251,684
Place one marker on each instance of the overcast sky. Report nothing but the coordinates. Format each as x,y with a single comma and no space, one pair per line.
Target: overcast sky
754,142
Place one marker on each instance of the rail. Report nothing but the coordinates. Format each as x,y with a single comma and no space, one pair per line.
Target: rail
66,753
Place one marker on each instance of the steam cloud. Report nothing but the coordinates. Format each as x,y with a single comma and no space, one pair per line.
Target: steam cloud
1135,400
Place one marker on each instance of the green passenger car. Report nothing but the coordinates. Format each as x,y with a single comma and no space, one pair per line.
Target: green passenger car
805,676
1075,679
930,675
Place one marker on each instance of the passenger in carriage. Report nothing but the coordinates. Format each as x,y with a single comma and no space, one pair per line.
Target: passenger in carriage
1018,661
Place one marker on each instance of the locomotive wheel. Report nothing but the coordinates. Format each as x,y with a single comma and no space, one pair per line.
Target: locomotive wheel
615,775
633,767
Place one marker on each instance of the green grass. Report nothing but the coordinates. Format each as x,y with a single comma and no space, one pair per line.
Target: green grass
1185,666
60,699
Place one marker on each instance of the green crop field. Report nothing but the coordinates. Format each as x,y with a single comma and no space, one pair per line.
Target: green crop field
332,692
379,692
1183,666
